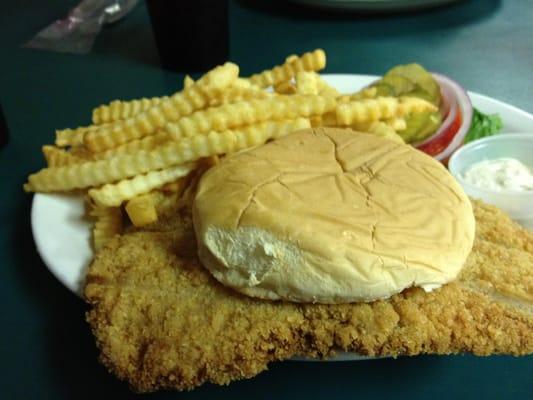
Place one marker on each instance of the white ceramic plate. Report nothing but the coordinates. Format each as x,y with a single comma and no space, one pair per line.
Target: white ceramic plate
62,233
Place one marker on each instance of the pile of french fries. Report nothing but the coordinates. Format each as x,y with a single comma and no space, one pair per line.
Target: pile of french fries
141,157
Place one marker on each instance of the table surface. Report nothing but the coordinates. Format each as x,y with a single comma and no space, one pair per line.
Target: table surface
47,350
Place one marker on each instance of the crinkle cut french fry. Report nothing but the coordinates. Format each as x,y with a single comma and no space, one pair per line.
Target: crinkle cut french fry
147,122
383,129
244,83
241,89
147,143
397,123
330,119
193,98
408,105
219,77
366,93
316,121
325,89
312,61
108,224
380,108
124,166
343,99
187,81
235,94
291,58
175,187
95,173
309,82
234,115
167,202
56,157
388,125
114,194
81,153
286,87
367,110
72,137
327,119
118,109
280,128
378,128
306,83
141,210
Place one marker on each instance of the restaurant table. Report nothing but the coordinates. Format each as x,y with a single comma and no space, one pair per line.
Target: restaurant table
46,348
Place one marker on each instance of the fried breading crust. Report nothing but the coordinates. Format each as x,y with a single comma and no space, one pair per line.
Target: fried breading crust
161,320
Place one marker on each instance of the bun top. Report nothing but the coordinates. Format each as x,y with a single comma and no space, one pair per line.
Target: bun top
331,215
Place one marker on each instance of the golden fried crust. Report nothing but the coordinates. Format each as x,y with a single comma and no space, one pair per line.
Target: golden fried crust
161,321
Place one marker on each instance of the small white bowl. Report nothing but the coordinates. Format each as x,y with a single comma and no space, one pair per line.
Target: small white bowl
519,205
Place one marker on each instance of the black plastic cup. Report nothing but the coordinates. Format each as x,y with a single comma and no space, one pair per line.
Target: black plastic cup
191,35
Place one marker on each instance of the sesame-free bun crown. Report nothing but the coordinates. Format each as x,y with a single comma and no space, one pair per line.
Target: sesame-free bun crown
331,215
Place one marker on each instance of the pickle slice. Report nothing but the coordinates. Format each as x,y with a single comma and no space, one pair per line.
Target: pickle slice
433,123
420,126
413,80
419,77
400,84
421,94
383,89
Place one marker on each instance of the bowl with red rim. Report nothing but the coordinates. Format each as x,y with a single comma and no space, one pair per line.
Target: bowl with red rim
456,111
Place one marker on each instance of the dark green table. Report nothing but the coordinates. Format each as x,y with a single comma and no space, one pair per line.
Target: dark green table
46,349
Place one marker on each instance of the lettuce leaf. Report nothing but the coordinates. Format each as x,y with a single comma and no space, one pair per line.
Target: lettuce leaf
483,125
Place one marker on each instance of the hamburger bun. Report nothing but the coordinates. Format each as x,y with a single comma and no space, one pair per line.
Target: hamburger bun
331,215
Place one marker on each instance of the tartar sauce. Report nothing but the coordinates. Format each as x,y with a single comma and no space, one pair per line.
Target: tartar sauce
500,174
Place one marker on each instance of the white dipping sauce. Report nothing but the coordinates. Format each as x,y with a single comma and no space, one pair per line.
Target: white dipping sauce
500,174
